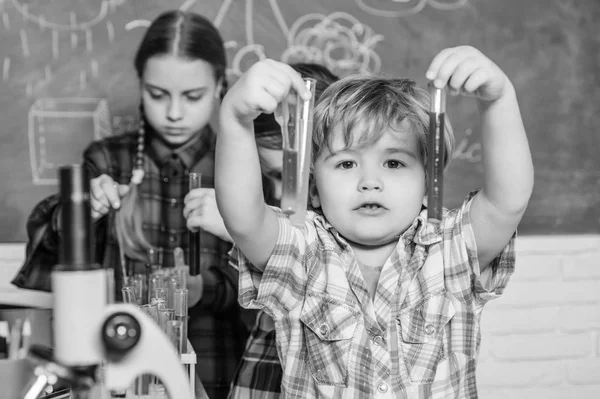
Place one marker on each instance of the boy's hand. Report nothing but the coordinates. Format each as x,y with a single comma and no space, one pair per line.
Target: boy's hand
201,212
466,70
105,194
262,88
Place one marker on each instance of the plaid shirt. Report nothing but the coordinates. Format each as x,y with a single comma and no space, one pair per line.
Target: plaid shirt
259,374
215,329
419,336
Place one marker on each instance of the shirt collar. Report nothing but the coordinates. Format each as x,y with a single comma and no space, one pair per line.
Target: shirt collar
424,233
189,153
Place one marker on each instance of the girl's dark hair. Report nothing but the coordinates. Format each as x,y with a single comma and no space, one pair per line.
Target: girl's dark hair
189,36
186,35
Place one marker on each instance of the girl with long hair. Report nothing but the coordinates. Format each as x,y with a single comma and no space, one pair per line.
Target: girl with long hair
139,181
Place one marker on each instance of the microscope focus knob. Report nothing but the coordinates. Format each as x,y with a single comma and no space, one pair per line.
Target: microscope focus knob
120,333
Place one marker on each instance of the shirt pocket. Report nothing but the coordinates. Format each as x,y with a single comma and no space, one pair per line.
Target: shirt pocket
421,336
329,327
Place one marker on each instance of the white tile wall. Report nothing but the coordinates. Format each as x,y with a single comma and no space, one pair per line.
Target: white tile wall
541,340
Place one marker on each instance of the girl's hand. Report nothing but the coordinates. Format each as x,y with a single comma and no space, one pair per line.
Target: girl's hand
105,194
195,286
262,88
465,70
200,210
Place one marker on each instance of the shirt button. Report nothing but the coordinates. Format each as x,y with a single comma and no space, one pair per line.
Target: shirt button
172,238
383,387
166,179
429,329
324,329
173,202
378,340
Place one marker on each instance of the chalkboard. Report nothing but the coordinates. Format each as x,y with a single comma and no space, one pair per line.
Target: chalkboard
66,78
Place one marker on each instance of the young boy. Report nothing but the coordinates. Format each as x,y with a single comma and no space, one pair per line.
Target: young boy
369,300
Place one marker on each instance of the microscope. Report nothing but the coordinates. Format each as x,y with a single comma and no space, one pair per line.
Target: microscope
97,342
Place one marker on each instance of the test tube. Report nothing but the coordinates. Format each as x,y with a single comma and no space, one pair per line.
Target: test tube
296,132
151,267
180,300
129,294
174,284
180,270
177,334
161,293
165,315
151,310
159,303
194,236
156,281
436,154
139,284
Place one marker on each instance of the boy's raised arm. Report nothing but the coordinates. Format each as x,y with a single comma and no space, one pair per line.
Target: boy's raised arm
508,169
252,225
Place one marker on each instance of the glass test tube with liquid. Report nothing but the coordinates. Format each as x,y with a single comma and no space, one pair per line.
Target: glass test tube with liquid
436,154
194,236
180,300
296,129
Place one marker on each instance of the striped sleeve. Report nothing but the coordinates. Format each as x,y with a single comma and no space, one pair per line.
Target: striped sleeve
281,286
490,283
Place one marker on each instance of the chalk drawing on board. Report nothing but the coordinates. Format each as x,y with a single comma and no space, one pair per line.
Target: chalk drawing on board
110,30
59,129
24,43
125,123
187,5
89,44
247,50
405,8
5,20
137,23
248,13
144,23
6,69
448,4
73,24
250,50
468,149
339,41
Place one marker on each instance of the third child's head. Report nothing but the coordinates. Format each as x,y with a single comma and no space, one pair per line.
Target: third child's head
181,65
370,157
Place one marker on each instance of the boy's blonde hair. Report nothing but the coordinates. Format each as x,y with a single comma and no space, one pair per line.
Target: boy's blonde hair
362,108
